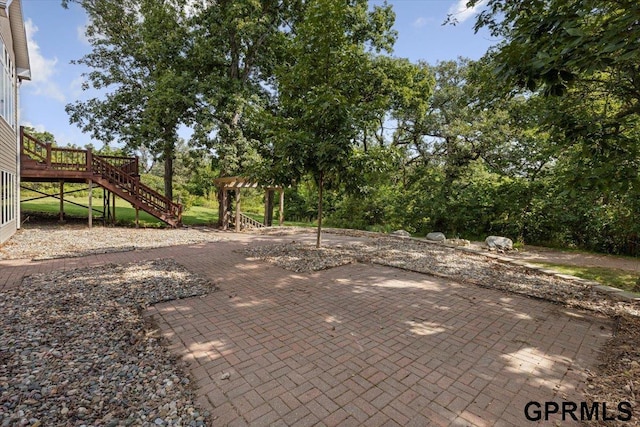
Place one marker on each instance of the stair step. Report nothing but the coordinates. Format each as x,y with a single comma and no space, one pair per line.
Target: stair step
111,173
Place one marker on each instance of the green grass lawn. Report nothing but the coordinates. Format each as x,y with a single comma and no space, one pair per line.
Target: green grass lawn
126,215
199,215
617,278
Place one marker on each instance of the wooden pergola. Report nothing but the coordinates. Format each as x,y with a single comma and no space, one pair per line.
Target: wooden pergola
236,184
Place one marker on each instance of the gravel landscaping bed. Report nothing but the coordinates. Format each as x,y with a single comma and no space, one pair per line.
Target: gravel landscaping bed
443,261
617,379
64,241
75,349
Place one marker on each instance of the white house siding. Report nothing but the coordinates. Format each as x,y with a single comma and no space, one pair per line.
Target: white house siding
8,153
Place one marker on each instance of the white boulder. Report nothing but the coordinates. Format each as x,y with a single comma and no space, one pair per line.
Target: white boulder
499,243
401,233
436,237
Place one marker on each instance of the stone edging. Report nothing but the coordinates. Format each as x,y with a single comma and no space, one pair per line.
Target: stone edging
616,293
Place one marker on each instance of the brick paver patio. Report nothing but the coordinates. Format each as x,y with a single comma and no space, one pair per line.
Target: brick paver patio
360,344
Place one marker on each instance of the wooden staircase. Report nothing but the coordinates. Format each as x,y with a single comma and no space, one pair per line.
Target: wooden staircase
247,222
42,162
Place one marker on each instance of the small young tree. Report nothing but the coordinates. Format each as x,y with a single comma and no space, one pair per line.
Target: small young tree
324,89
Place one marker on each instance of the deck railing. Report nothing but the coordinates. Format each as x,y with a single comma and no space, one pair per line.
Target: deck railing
70,158
35,149
119,171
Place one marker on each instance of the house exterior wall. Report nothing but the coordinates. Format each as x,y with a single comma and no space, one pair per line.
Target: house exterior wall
9,156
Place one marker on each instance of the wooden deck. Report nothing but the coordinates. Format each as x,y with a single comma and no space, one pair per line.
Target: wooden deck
42,162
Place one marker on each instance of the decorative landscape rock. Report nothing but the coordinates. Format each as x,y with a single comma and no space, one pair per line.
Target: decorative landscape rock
500,243
436,237
75,349
457,242
39,242
401,233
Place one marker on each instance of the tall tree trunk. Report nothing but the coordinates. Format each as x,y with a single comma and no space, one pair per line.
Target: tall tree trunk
168,169
320,188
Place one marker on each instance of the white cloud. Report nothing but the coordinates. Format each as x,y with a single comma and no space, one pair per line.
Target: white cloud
420,22
42,69
76,87
461,12
38,127
81,31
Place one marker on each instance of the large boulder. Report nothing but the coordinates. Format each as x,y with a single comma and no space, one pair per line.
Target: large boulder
401,233
436,237
499,243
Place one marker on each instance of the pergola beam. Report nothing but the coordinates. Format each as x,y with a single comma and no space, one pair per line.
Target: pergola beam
236,183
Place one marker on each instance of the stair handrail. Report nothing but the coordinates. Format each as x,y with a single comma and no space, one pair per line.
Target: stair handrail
133,186
128,164
34,148
247,220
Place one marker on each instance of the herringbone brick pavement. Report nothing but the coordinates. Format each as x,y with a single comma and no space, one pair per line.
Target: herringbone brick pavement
360,344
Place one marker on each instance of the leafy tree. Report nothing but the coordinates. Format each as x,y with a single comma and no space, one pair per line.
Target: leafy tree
237,45
322,90
139,59
555,42
586,51
43,136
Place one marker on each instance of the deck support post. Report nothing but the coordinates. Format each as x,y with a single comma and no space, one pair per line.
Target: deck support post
61,219
90,203
113,218
106,207
281,208
137,217
237,209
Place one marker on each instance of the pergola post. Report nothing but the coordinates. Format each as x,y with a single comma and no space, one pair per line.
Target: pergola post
90,204
237,210
224,209
61,219
266,207
281,209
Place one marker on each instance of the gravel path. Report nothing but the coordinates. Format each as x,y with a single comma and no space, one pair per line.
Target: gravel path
75,349
64,241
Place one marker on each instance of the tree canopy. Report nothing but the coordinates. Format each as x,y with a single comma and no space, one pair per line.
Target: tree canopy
538,140
139,59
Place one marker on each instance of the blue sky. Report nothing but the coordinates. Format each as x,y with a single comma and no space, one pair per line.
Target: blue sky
56,37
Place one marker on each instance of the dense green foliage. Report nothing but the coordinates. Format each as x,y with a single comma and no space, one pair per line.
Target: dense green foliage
539,140
139,58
